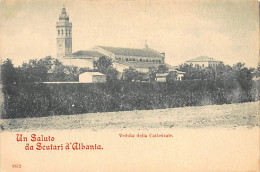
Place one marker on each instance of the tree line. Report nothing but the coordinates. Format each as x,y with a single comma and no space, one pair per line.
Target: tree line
26,96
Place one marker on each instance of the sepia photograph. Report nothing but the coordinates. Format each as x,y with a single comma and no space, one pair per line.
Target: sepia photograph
129,85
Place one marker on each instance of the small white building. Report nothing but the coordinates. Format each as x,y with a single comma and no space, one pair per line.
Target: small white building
161,77
92,77
180,75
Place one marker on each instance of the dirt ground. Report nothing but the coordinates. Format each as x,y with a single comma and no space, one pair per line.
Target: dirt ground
227,115
206,138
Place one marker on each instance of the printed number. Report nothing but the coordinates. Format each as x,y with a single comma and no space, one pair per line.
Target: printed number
16,166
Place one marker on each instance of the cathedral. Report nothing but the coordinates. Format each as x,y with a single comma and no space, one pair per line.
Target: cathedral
123,58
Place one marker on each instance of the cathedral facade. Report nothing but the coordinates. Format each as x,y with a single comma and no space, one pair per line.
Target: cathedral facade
123,58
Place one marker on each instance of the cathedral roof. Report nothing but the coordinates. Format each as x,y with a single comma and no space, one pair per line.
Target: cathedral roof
203,59
87,53
132,51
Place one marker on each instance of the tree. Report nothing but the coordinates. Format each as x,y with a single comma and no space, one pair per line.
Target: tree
258,70
162,69
152,73
103,64
71,73
111,75
191,73
244,76
58,73
85,69
130,74
208,74
171,77
34,71
8,73
9,77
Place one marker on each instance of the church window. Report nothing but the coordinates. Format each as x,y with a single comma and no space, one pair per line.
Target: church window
58,32
66,32
61,31
141,60
126,59
69,32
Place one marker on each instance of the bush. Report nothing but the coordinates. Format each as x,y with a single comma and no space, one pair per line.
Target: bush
36,100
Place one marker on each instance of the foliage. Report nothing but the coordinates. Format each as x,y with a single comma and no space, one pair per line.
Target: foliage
132,74
111,75
8,73
152,74
9,77
26,96
225,76
162,69
258,70
61,99
103,64
191,73
171,77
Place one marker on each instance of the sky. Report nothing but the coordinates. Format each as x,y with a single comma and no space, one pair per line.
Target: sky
227,30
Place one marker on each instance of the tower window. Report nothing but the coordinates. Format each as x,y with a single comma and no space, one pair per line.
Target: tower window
58,32
62,32
69,32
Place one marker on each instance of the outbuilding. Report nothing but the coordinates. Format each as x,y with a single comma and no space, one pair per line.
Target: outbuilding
161,77
92,77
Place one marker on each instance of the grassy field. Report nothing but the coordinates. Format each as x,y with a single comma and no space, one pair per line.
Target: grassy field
228,115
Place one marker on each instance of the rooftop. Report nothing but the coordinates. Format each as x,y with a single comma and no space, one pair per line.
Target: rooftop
203,59
162,74
87,53
147,52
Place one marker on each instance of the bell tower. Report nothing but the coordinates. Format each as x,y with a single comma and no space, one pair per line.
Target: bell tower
64,35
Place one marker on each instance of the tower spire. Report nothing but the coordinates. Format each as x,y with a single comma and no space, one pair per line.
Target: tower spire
63,15
145,44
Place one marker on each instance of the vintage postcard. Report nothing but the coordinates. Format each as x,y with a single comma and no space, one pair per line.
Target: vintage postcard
129,85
